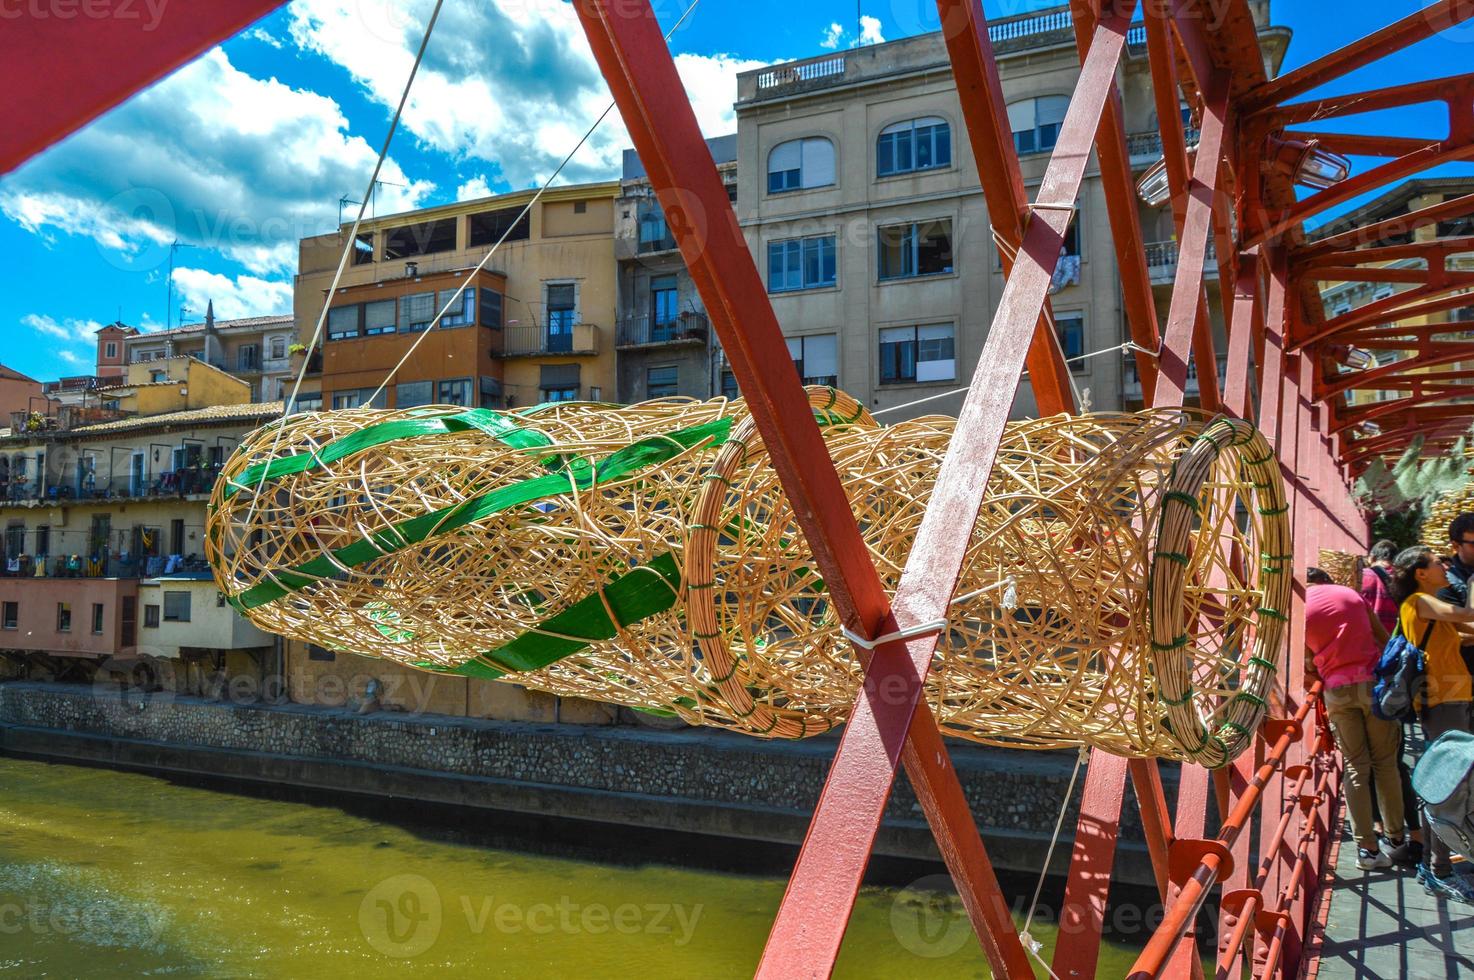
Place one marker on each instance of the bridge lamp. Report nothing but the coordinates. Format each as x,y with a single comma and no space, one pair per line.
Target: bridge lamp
1371,428
1305,162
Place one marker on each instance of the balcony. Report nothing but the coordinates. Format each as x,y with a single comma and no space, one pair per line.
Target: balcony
1161,262
1131,383
537,340
176,483
1146,148
643,331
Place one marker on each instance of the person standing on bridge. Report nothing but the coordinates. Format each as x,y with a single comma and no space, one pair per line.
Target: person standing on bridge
1376,584
1342,639
1448,699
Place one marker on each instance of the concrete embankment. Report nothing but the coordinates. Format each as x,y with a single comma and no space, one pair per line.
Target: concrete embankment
689,781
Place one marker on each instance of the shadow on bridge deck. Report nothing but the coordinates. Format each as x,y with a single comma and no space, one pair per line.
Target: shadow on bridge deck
1381,924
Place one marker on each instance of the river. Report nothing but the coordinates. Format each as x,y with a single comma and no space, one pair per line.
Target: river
114,874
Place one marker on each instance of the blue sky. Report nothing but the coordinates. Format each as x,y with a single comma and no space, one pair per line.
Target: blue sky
250,148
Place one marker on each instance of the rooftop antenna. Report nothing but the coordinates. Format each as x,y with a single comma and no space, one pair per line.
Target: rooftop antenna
343,202
374,195
174,246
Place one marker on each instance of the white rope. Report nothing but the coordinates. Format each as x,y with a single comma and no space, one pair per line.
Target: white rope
456,296
1123,348
348,246
1010,601
1030,943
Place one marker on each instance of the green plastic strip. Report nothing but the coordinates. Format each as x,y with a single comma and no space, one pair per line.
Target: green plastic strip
1186,500
494,424
1266,664
1177,704
638,594
579,474
1273,614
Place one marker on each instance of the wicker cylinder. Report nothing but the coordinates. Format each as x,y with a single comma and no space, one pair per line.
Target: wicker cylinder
1124,585
1343,567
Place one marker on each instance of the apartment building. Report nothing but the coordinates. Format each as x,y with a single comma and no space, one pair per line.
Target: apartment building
102,547
859,197
1343,297
257,349
20,393
664,340
536,325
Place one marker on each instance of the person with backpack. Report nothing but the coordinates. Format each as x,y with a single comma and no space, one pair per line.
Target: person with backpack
1439,628
1460,570
1376,584
1342,640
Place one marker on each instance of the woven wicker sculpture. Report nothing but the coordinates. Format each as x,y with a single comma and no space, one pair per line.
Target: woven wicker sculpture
1124,586
1442,512
1343,567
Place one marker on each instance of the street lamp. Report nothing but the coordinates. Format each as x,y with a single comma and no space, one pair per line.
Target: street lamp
1305,162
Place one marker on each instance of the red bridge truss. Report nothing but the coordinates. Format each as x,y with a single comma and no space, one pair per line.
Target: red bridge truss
1259,139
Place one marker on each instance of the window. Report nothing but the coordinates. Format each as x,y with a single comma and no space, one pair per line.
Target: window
729,384
559,382
63,617
43,540
97,617
488,227
664,306
315,652
10,615
248,357
1035,122
801,263
916,144
491,308
111,349
655,234
360,398
457,392
176,607
1071,327
562,300
412,393
151,617
416,311
580,207
278,348
158,377
560,394
917,354
425,238
378,317
363,248
491,392
662,382
923,248
464,310
801,163
343,322
816,358
310,401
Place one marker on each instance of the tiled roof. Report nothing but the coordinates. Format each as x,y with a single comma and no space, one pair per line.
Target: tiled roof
257,412
275,319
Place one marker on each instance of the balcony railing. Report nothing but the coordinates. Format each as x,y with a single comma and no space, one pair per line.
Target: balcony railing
802,71
175,483
1161,261
644,331
1131,383
1146,148
533,340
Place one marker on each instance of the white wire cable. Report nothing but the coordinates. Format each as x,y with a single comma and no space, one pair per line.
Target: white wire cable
1010,601
1030,943
1123,348
470,277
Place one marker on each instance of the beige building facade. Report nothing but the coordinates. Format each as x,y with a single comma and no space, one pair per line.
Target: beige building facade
859,196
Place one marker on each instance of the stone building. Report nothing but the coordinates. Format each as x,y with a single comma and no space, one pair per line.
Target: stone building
859,196
536,325
664,339
102,548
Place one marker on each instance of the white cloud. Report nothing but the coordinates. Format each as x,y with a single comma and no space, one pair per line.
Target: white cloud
244,295
74,359
472,189
264,36
870,33
512,84
211,156
69,330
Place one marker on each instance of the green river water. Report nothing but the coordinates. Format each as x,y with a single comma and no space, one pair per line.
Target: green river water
112,874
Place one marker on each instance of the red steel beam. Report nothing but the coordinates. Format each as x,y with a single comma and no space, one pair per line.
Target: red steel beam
637,64
60,72
1350,240
980,92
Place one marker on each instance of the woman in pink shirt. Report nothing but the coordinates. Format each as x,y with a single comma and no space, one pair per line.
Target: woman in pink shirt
1344,638
1376,584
